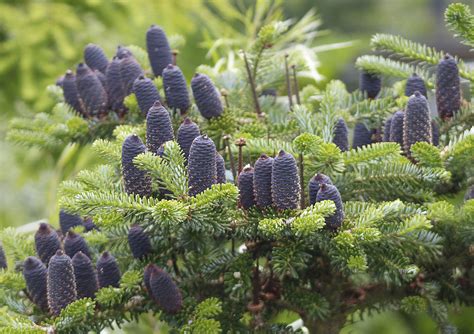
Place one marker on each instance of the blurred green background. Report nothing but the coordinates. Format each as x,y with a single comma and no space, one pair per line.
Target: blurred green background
39,40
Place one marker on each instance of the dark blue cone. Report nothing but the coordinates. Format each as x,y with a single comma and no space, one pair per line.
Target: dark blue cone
85,275
102,78
74,243
202,169
46,242
187,132
417,122
370,84
158,48
3,259
262,181
220,168
206,96
71,94
448,88
176,90
165,292
285,182
246,197
386,129
149,269
159,129
108,271
330,192
415,83
146,92
68,221
340,135
136,181
139,242
130,70
95,58
91,91
314,185
89,225
435,133
396,128
115,87
362,136
61,284
35,274
123,52
469,193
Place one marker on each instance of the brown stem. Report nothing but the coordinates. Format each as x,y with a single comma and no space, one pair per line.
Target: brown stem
288,85
301,168
240,143
252,86
231,157
175,56
224,93
295,81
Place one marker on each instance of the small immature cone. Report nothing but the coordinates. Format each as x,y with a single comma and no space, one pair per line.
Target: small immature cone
415,83
35,274
91,90
330,192
434,133
417,122
246,197
340,135
74,243
262,181
386,129
285,182
176,90
95,57
448,88
115,87
3,259
159,129
85,275
130,70
469,193
187,132
139,242
314,185
206,96
396,128
370,84
71,94
46,242
146,92
68,221
362,136
202,169
164,291
136,181
108,271
220,168
158,48
61,284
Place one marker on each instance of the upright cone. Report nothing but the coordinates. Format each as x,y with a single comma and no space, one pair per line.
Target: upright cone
164,291
95,57
285,182
220,169
262,181
158,48
176,90
417,122
206,96
91,91
434,133
108,271
159,129
340,135
61,283
330,192
139,242
35,274
187,132
3,259
415,83
71,94
136,181
130,70
46,242
246,197
74,243
362,136
202,169
115,88
386,129
68,221
448,88
85,276
146,92
370,84
314,185
396,128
